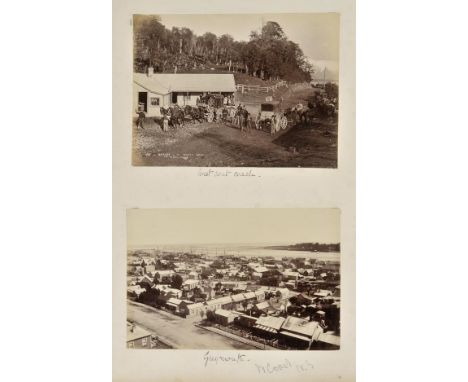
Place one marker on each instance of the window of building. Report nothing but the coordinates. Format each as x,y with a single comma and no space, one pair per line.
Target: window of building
144,341
154,101
130,344
187,97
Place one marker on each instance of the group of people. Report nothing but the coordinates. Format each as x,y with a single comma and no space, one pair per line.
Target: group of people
243,118
238,116
174,116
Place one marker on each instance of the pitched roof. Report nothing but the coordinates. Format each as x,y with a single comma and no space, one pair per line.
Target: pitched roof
191,281
136,333
238,297
329,338
163,272
136,289
223,312
302,327
323,293
270,322
164,83
150,83
263,305
174,301
221,300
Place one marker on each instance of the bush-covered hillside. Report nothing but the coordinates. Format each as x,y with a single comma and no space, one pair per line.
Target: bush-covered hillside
268,55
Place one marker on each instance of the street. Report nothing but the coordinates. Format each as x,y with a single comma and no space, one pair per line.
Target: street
180,331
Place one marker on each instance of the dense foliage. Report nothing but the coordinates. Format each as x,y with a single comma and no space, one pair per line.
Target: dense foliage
268,54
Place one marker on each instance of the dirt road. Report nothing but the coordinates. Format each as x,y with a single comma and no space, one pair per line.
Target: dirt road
180,331
224,145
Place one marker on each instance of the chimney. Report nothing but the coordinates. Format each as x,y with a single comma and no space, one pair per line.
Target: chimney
150,71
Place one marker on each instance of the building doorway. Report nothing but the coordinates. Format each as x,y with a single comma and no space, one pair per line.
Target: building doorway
143,101
174,97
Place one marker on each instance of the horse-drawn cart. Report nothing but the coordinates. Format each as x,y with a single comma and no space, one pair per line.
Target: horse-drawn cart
271,118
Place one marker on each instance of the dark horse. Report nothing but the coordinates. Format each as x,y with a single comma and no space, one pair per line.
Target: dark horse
175,114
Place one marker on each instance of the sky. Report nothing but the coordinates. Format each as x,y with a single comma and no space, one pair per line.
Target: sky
232,225
316,33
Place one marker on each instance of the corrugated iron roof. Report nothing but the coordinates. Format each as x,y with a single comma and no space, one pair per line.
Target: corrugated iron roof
300,326
329,338
137,332
164,83
271,322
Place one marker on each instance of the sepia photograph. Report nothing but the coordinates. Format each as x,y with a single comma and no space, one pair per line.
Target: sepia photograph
236,90
227,279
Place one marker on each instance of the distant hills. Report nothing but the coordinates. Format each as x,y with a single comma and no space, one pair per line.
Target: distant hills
309,247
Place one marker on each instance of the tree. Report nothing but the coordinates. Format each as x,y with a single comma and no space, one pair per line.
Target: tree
149,296
272,30
267,54
176,281
331,89
205,273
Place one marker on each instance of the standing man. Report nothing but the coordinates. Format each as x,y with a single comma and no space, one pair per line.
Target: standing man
219,114
240,112
141,119
247,119
165,123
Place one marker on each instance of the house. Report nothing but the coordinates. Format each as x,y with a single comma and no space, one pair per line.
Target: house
165,275
299,333
323,293
190,284
240,287
290,284
250,296
135,290
263,307
149,268
246,321
195,309
224,317
137,338
327,341
253,265
151,91
168,291
135,269
268,326
220,303
261,270
178,306
146,279
193,275
259,295
291,275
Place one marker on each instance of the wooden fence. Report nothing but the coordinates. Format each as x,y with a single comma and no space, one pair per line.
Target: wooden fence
259,89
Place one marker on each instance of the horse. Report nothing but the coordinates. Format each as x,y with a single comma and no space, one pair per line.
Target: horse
177,116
